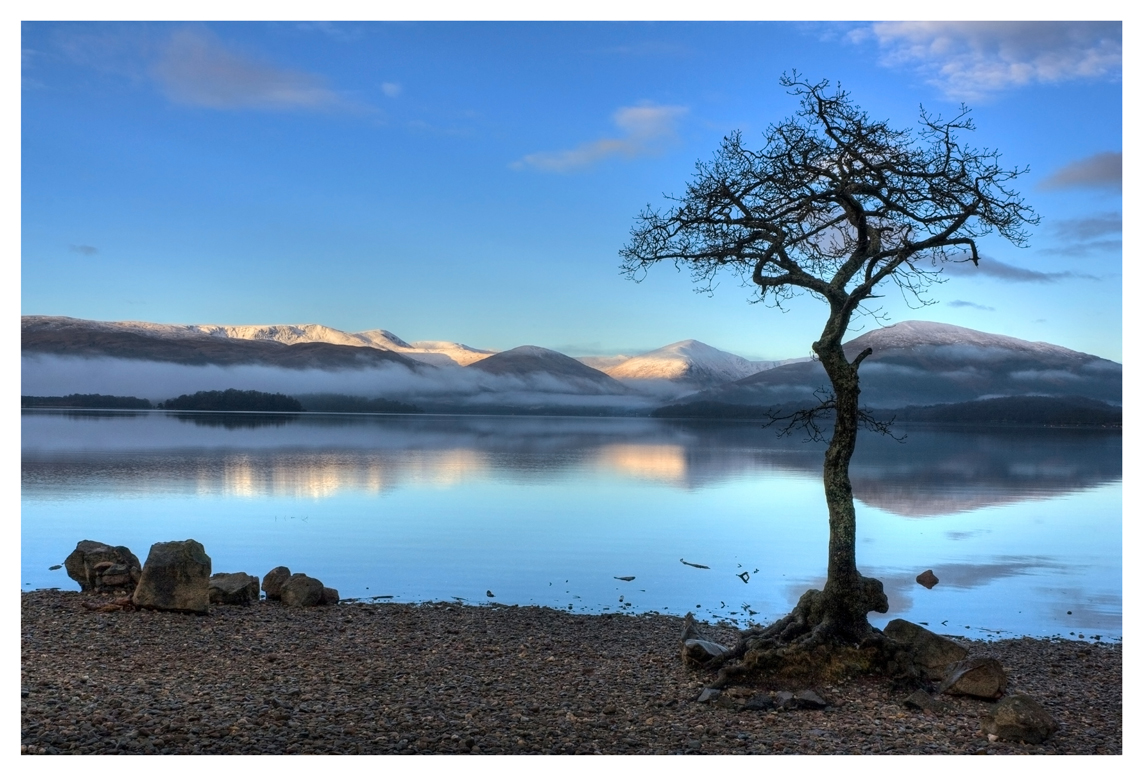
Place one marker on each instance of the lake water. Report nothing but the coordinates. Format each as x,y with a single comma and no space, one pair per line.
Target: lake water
1022,527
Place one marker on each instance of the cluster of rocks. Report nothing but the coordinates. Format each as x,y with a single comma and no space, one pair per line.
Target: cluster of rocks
924,656
297,589
177,577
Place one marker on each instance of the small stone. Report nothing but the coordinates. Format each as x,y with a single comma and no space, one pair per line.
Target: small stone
759,701
709,695
1020,718
697,651
809,700
927,580
921,700
981,677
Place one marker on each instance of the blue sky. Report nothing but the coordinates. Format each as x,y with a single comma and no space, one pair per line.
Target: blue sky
474,182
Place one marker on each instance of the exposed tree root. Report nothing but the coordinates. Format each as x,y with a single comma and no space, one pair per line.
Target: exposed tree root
821,640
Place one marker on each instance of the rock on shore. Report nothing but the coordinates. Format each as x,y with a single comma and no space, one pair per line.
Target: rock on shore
445,678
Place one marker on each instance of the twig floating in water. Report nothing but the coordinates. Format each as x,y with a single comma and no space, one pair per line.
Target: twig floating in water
625,578
694,565
745,576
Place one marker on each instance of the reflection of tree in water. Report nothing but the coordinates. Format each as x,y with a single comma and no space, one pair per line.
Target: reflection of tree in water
235,420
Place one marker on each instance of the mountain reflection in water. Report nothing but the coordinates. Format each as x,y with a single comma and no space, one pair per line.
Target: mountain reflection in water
1021,526
930,473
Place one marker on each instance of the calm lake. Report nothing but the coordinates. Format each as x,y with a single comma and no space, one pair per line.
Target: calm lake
1022,527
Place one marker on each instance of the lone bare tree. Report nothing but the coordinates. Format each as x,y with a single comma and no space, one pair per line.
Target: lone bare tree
835,204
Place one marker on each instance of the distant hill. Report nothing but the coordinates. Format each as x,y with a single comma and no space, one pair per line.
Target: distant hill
233,400
921,364
914,364
533,362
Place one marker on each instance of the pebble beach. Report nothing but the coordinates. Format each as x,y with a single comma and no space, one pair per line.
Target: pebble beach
443,678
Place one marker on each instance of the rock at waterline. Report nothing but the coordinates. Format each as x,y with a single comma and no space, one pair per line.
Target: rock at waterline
233,589
931,653
329,596
98,567
981,677
927,580
1020,719
696,649
301,591
176,577
273,580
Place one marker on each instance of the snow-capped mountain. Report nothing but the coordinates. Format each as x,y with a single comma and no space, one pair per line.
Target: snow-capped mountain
918,363
688,361
436,353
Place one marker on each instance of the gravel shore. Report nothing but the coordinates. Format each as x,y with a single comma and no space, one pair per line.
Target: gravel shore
451,679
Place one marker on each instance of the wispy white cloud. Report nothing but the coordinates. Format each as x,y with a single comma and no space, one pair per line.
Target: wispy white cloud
990,267
1095,234
196,68
335,31
646,130
969,60
391,89
1103,170
87,250
958,303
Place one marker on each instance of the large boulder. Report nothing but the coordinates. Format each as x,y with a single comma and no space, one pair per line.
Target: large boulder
176,577
931,653
329,596
302,591
272,582
981,677
233,589
98,567
1020,719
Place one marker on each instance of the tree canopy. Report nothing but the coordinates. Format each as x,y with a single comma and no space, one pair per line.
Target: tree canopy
835,203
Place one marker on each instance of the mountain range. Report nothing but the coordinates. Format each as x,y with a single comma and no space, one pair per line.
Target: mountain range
913,364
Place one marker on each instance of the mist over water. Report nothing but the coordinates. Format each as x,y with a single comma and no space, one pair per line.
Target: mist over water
1020,526
470,388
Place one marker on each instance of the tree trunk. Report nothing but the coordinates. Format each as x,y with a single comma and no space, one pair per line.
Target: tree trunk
847,596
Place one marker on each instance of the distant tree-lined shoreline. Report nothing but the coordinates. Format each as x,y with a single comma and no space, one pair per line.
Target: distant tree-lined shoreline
84,401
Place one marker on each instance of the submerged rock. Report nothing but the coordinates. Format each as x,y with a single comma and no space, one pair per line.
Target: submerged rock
928,579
